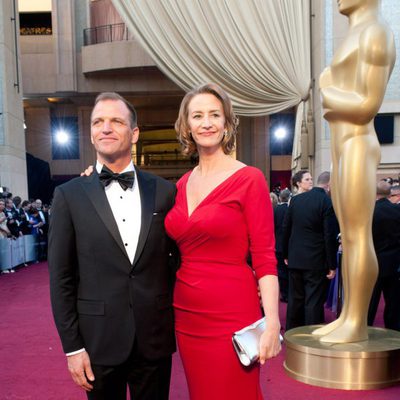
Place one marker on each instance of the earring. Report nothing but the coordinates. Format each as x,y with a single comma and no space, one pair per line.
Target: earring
225,133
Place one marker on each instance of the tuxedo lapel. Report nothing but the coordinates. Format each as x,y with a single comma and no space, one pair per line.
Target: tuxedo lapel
96,194
147,199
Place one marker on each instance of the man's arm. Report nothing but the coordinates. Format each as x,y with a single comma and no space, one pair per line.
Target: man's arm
286,230
62,260
375,63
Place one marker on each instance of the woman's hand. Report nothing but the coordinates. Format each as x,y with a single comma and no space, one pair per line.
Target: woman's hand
88,171
270,345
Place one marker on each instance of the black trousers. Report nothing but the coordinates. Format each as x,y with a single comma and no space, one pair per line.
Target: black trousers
307,295
390,287
283,276
146,379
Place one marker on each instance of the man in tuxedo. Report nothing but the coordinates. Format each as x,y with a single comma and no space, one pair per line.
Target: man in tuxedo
24,216
12,218
111,269
309,245
386,235
43,231
279,216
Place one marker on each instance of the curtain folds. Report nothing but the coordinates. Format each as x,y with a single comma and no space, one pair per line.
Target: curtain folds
257,50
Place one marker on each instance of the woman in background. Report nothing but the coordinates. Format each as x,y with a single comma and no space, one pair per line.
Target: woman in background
222,213
274,200
302,182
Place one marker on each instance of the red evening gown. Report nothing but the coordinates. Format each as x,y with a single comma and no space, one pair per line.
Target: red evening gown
216,290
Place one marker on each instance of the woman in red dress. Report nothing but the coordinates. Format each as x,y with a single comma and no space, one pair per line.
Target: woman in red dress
222,214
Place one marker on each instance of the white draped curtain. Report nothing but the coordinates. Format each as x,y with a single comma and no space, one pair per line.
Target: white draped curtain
257,50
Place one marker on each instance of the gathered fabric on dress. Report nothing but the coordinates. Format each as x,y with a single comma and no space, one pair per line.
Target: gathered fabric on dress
216,289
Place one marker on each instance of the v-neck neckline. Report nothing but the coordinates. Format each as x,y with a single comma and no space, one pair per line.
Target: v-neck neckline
209,194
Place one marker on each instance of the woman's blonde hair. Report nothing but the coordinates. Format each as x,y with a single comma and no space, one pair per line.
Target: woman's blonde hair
231,121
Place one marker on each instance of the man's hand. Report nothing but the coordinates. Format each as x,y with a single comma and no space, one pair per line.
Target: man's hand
331,274
81,371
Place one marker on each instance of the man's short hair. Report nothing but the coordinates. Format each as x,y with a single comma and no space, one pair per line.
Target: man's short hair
17,201
324,178
284,195
115,96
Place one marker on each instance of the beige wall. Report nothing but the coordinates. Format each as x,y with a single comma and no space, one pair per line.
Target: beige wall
114,55
38,64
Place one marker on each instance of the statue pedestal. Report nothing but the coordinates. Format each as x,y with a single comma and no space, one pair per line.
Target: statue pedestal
372,364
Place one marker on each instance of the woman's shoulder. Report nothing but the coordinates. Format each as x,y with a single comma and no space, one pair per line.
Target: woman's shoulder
252,172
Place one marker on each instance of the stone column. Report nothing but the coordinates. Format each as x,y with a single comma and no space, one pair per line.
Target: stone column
63,20
12,137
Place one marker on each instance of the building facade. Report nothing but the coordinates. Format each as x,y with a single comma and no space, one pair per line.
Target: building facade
70,50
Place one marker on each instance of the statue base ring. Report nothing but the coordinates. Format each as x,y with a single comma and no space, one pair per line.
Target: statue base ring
371,364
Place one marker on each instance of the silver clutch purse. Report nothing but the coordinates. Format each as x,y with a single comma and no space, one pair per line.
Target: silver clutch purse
246,342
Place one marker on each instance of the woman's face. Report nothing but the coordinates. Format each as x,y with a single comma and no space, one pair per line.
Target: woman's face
306,183
206,119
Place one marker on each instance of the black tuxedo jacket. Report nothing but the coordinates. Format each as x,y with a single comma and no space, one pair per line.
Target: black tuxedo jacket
309,231
279,216
100,300
386,235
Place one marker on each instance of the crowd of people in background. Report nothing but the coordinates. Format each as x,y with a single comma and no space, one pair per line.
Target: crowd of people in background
30,217
24,217
308,248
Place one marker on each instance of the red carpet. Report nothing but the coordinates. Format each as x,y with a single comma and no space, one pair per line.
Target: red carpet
33,366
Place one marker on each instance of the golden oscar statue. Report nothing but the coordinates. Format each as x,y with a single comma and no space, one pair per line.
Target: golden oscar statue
352,91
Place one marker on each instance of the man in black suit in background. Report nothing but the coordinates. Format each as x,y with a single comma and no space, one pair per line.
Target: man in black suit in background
111,274
386,235
309,244
279,216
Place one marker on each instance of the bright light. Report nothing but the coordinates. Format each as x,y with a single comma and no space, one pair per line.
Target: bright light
62,137
280,133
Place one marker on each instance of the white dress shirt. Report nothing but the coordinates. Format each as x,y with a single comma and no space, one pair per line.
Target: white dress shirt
127,211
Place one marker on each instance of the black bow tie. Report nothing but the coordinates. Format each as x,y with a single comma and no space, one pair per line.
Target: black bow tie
125,179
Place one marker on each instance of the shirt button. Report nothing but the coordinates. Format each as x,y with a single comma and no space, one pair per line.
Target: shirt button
120,197
126,244
123,220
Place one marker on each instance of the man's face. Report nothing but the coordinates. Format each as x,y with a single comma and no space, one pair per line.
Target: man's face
111,132
38,204
9,204
395,195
